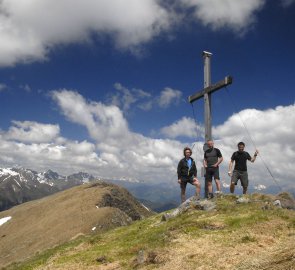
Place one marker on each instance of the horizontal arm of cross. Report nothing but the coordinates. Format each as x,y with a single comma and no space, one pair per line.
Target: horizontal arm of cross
211,89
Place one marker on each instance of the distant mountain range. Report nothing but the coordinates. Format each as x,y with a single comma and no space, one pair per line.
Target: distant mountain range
19,185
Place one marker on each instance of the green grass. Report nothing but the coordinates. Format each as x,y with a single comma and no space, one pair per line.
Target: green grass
123,244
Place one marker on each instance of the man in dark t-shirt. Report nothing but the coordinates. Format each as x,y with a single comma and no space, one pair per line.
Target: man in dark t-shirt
212,159
240,158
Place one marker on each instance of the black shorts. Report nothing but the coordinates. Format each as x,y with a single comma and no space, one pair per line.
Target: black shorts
242,175
212,172
185,180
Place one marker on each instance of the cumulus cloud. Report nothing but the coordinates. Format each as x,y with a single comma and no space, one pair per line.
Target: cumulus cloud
271,131
124,152
124,98
30,28
185,127
169,95
116,151
236,15
63,155
33,132
148,158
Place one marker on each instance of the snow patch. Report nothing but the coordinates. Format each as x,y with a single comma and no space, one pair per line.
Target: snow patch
93,229
225,185
8,171
17,183
260,187
146,207
4,220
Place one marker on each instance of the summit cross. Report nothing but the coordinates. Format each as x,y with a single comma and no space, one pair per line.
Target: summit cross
206,93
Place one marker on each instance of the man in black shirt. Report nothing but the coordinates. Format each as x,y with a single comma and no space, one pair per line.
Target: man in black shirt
187,173
240,158
212,159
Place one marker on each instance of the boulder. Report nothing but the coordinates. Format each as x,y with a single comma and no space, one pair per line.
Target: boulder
192,203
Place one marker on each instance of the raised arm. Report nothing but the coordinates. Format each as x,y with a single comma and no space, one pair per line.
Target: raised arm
255,155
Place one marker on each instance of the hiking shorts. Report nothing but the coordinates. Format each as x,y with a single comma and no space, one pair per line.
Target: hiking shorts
242,175
185,180
212,172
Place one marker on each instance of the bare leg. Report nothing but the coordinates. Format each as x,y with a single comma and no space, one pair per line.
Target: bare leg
218,185
232,187
182,195
210,186
198,186
245,190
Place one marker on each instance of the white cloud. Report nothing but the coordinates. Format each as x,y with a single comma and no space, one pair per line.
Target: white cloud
65,158
146,106
138,98
147,158
169,95
237,15
287,3
30,28
3,86
33,132
185,127
126,97
116,151
272,133
260,187
102,122
124,152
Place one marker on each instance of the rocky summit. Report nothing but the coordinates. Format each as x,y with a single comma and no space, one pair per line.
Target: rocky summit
229,233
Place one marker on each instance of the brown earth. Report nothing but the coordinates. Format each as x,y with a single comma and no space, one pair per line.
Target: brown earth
53,220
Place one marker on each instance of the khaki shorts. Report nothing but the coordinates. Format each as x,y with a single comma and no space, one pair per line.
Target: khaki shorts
242,175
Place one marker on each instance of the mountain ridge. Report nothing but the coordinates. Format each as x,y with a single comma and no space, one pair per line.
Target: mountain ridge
40,224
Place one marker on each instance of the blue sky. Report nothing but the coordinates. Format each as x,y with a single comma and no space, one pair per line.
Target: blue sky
78,81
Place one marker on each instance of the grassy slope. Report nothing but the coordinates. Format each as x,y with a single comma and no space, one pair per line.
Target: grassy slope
53,220
236,236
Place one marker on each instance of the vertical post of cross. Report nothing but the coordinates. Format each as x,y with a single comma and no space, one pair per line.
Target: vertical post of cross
207,96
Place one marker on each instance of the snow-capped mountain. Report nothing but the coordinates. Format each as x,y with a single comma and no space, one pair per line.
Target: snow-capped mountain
19,185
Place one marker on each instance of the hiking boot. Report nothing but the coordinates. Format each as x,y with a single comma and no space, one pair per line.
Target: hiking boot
210,196
218,194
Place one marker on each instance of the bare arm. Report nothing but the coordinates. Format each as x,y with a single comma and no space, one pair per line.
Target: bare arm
255,155
220,159
205,163
230,166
